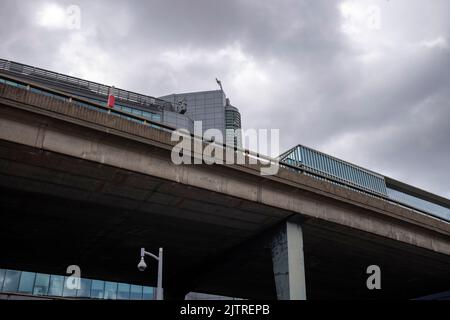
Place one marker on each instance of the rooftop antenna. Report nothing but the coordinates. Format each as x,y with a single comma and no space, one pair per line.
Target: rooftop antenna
227,103
220,84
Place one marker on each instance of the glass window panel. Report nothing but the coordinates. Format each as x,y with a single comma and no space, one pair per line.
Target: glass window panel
135,292
146,114
137,112
85,290
147,293
56,286
26,283
41,284
2,277
111,290
98,289
123,292
68,292
11,282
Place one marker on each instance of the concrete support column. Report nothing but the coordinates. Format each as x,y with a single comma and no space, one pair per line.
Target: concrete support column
288,262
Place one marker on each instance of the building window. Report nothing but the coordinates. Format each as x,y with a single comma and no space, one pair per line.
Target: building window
156,117
123,292
68,292
41,284
147,293
85,290
2,277
26,283
111,290
126,109
11,282
56,286
98,289
137,112
135,292
147,115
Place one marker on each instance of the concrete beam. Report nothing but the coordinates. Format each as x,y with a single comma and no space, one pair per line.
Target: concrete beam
101,138
289,262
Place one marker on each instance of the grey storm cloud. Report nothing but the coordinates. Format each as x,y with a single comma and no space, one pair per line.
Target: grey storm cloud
366,81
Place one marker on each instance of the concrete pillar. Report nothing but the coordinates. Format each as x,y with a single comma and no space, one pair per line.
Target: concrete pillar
288,262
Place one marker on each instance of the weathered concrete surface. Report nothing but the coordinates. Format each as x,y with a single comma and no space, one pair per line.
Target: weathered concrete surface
289,262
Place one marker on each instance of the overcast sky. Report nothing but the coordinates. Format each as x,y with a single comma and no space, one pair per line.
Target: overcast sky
366,81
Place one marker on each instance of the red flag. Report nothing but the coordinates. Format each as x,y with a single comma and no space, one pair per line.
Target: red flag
111,98
111,101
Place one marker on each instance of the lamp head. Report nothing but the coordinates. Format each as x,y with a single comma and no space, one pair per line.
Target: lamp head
142,265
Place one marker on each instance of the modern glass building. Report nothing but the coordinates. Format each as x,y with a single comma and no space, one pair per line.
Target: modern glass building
30,285
15,284
206,106
233,122
213,109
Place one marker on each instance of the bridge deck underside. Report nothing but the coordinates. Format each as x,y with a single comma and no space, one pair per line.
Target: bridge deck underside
58,211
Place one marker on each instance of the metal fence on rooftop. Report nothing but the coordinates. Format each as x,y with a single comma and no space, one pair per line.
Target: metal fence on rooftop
19,68
315,161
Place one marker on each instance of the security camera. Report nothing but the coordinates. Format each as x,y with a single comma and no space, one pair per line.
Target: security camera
142,265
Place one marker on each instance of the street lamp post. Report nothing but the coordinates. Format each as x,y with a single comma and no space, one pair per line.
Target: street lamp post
142,266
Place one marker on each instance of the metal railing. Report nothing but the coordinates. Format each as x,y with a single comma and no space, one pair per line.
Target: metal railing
304,157
94,87
83,102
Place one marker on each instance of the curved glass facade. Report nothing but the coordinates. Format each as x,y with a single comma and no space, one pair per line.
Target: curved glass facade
233,122
232,118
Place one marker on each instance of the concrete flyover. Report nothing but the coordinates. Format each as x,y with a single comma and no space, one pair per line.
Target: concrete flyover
85,187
